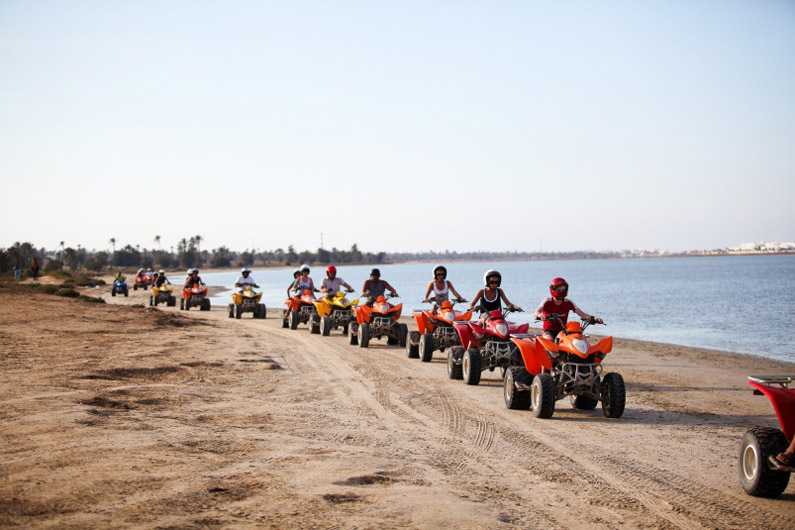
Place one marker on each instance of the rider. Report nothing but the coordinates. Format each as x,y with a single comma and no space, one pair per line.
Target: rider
140,277
296,274
560,305
491,295
120,277
161,278
193,279
441,288
245,280
150,276
331,283
375,287
304,282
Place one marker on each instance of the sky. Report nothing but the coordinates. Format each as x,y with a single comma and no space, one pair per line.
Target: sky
398,126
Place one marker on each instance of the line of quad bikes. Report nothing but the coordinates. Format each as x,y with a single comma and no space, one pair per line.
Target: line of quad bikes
537,372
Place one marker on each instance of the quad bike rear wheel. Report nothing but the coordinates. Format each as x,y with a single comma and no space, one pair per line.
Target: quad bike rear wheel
756,476
542,396
135,287
614,395
426,347
113,291
172,301
364,334
126,292
286,319
471,366
514,398
325,325
182,305
353,334
454,368
412,345
231,310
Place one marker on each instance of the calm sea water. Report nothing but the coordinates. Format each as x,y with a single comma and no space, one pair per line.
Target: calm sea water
743,304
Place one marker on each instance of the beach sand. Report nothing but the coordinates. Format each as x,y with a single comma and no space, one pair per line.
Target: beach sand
126,416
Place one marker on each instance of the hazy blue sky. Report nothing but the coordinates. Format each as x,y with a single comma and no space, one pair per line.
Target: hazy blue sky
412,125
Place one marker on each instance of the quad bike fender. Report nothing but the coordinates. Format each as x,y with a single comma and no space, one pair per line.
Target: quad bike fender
783,400
535,358
468,340
397,310
423,325
522,328
322,308
362,313
604,347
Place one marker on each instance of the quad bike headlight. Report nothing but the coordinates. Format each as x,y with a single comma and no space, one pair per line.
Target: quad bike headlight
502,329
449,315
581,345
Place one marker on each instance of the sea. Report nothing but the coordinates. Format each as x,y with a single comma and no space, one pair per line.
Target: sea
741,304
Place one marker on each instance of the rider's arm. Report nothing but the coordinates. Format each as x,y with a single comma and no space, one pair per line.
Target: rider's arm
365,289
509,304
391,289
452,289
474,301
539,314
585,316
348,287
428,291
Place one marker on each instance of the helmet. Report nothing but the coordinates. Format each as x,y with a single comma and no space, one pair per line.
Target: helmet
245,270
304,267
440,268
195,271
140,271
190,271
162,271
490,273
149,269
296,273
375,272
557,282
330,269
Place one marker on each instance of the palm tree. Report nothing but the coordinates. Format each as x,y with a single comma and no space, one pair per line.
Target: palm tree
198,240
157,240
112,241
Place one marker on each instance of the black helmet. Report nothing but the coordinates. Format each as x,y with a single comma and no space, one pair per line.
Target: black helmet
489,274
440,268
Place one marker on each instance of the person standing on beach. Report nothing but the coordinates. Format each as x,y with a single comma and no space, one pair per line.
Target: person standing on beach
559,305
375,287
34,268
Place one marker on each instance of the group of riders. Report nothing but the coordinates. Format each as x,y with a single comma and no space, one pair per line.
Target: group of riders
553,310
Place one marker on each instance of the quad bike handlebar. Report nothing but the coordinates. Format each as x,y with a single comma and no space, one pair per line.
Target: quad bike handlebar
454,301
585,322
509,309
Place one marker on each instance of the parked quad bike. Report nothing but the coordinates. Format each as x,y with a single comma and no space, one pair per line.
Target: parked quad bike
376,322
247,301
435,330
119,288
334,312
301,310
484,347
163,295
568,366
141,282
195,296
757,476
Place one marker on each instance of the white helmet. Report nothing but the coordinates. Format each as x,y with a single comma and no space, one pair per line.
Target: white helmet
245,269
190,271
442,268
304,267
492,272
162,271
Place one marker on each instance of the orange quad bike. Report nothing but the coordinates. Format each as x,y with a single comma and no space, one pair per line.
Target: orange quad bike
568,366
301,310
195,296
758,475
142,282
376,322
435,330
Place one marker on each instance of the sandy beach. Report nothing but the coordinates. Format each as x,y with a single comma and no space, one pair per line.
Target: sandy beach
125,416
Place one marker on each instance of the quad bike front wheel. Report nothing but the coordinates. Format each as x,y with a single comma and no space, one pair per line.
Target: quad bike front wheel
231,310
454,368
514,398
756,476
294,319
364,334
471,366
426,347
542,396
325,325
238,310
413,345
314,324
205,305
614,395
403,333
172,301
182,305
353,333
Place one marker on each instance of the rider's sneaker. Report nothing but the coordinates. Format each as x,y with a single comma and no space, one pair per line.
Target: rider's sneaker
782,462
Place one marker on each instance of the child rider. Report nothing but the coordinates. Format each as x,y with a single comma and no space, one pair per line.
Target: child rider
559,305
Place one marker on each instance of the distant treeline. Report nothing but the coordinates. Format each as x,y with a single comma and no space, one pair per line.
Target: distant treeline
446,256
187,254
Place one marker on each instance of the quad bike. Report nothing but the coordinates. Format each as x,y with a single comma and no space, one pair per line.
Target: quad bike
142,282
163,295
246,301
120,288
195,296
484,347
757,476
435,330
334,312
302,310
376,322
568,366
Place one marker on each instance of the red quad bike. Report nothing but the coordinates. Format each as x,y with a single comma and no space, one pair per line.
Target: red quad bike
484,347
141,282
377,322
195,296
757,476
435,330
302,310
568,366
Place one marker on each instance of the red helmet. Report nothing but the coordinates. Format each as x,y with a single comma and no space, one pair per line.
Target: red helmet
558,282
330,269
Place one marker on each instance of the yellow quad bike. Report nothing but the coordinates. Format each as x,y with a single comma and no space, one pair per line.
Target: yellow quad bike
334,312
247,301
163,295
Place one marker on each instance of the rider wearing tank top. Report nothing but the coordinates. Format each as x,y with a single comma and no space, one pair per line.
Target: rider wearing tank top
375,287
